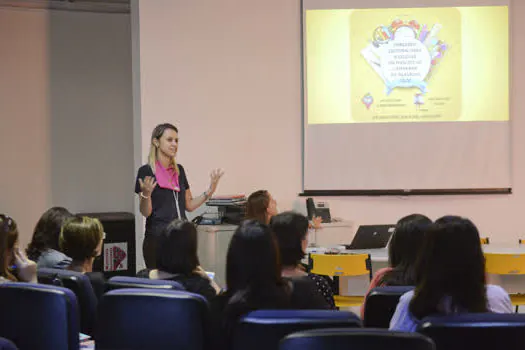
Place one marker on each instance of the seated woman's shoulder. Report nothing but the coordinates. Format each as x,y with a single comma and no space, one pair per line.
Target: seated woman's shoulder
305,294
407,296
498,299
493,289
51,258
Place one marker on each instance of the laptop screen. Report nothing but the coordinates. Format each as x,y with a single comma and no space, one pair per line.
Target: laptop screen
372,236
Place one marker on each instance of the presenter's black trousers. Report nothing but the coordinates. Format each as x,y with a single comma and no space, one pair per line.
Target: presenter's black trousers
149,250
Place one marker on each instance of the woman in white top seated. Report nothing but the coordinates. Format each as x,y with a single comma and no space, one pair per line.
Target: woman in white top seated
450,276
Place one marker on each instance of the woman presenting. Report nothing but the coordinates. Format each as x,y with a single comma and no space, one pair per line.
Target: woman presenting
163,188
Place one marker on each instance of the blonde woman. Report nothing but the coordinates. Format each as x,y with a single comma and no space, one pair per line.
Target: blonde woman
163,188
81,239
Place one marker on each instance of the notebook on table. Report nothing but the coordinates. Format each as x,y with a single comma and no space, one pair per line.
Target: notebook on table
371,237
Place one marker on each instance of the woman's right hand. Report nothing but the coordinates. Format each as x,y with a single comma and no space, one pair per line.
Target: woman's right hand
200,271
147,185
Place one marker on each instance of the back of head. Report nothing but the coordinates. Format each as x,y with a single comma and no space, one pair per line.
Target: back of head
404,248
253,271
177,248
47,231
451,270
80,237
290,229
257,206
8,238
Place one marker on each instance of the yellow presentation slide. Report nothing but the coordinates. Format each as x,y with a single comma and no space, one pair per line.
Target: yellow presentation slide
407,65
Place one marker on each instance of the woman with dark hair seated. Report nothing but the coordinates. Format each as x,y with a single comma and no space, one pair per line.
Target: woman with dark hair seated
291,230
177,260
14,264
450,276
254,281
43,247
81,239
403,250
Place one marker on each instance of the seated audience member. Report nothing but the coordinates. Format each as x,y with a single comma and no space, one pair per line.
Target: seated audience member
254,281
43,247
14,264
81,239
177,260
291,230
261,206
403,249
450,276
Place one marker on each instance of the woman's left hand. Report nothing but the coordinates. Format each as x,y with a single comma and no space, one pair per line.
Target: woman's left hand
215,176
26,268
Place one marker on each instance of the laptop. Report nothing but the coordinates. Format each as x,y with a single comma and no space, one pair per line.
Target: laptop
371,237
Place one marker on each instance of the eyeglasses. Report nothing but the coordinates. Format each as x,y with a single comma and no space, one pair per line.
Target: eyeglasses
8,224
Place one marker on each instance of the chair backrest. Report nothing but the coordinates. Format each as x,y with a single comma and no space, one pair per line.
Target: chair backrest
480,331
151,319
340,264
484,240
6,344
505,264
39,317
81,286
119,282
380,305
355,339
263,329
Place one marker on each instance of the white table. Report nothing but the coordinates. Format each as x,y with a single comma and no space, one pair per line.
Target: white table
213,242
359,285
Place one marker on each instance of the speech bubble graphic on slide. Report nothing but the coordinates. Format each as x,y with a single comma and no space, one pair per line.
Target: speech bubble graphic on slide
405,63
410,60
404,53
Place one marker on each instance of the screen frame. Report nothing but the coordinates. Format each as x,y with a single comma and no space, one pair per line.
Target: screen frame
342,4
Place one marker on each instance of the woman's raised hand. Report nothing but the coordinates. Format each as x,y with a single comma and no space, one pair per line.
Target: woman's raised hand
147,185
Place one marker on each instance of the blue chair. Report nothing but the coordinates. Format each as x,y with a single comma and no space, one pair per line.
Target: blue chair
6,344
263,329
39,317
380,305
81,286
135,319
355,339
119,282
477,331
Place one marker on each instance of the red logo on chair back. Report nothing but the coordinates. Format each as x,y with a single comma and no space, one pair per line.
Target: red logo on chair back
118,257
115,256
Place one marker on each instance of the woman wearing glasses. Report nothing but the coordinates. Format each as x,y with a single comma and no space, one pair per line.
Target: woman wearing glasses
14,264
164,190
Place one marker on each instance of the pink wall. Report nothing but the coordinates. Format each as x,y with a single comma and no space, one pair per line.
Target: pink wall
228,74
65,112
25,159
225,73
